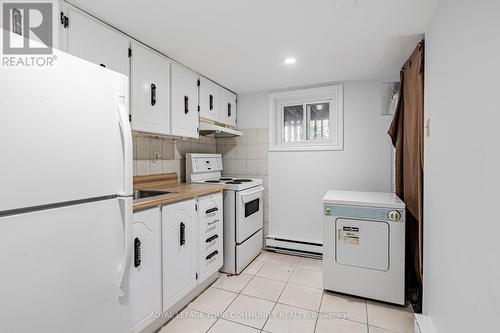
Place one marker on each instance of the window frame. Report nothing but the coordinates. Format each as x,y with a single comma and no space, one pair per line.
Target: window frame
278,101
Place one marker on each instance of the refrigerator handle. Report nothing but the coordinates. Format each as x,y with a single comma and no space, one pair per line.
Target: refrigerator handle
126,211
127,146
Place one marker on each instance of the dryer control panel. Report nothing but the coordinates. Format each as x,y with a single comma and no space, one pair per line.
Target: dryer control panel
369,213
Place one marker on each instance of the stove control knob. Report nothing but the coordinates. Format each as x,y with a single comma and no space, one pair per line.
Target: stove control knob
394,215
328,211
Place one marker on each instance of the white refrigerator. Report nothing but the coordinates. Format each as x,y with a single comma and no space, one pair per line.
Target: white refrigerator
65,198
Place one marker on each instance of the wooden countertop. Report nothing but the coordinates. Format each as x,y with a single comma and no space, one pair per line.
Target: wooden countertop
168,182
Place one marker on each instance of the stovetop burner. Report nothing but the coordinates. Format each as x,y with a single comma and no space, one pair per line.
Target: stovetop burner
231,181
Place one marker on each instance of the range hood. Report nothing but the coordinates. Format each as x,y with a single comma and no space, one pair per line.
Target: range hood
218,131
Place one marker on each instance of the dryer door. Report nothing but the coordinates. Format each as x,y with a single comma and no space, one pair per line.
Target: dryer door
362,243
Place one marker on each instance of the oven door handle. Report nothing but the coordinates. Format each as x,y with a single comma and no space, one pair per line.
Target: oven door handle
253,194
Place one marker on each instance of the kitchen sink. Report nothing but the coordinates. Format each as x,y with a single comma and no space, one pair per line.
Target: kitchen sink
140,194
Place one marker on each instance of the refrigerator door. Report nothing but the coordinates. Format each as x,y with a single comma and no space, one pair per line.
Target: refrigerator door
60,269
65,134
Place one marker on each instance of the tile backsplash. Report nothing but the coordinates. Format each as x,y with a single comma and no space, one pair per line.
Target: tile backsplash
154,155
245,156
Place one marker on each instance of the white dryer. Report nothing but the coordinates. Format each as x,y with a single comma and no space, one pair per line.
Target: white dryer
364,245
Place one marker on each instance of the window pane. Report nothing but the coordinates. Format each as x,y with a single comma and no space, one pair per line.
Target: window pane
293,122
318,121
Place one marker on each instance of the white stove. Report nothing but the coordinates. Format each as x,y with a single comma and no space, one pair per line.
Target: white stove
233,183
207,168
243,209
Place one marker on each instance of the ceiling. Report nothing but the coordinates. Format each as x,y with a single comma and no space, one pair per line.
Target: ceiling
242,44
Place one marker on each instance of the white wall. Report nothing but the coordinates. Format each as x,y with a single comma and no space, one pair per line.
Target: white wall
298,180
462,164
252,110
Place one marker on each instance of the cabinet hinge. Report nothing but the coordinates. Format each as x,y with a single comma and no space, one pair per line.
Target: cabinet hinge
198,83
129,52
198,130
199,108
130,118
196,207
196,275
64,20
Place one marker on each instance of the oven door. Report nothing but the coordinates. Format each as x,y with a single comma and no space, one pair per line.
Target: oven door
249,212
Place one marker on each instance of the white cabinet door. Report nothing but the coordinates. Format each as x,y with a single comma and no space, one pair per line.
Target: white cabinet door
91,40
227,110
150,91
180,250
145,273
184,102
209,99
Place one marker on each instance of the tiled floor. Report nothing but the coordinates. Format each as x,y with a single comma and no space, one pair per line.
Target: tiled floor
281,293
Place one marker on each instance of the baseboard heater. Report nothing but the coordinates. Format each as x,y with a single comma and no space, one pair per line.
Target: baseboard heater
291,246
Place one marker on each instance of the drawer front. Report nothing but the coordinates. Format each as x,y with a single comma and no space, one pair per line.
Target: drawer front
211,241
210,206
209,226
210,262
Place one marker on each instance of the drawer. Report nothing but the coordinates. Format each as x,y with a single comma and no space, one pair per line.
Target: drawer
210,206
210,243
209,226
210,262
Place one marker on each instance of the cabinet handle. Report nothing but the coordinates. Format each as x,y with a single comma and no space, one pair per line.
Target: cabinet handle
211,210
186,105
102,65
229,109
214,221
182,234
137,252
211,255
211,102
153,94
211,239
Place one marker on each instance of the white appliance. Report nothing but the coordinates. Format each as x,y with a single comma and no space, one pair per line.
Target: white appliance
65,203
364,245
243,209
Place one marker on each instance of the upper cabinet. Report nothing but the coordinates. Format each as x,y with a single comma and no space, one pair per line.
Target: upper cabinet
165,98
184,102
92,40
209,99
227,109
150,91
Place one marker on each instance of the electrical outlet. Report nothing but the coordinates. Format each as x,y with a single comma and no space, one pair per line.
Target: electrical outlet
156,157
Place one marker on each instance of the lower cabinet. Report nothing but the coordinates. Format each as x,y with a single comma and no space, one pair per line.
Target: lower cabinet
145,273
180,244
176,247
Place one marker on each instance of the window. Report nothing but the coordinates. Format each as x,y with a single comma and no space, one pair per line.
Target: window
309,119
293,117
